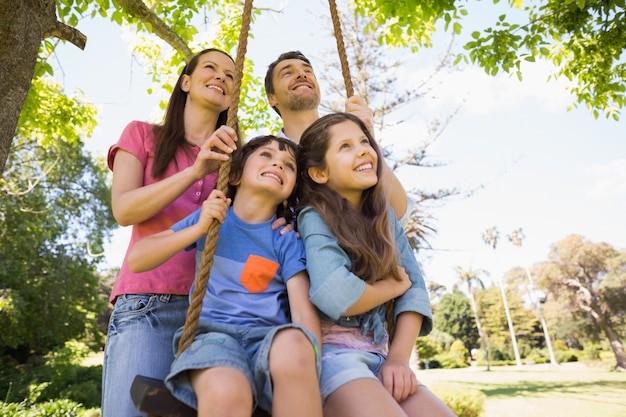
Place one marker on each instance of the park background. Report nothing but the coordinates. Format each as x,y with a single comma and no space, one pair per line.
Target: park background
534,164
531,163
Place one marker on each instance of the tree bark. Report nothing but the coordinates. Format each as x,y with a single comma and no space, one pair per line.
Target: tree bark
614,340
23,25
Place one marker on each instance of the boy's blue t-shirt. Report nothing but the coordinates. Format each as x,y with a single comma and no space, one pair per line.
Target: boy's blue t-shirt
251,265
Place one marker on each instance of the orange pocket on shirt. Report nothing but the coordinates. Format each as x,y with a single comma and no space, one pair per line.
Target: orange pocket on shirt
257,273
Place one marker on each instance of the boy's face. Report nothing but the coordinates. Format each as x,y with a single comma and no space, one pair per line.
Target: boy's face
269,169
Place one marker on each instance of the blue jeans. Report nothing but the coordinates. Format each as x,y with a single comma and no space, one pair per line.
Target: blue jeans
139,342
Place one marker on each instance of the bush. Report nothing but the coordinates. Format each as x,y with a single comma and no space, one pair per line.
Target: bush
464,402
60,377
57,408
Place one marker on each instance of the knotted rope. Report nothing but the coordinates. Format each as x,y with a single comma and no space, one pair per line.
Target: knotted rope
202,278
341,49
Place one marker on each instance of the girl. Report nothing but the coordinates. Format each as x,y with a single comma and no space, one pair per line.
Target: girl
161,173
246,347
358,258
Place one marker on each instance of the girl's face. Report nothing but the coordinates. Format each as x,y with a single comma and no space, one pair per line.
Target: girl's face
351,162
270,171
211,82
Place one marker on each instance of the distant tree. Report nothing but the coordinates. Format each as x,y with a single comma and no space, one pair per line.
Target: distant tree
435,292
490,237
528,325
591,277
471,279
454,316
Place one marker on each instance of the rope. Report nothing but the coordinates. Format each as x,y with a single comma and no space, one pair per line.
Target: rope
341,49
345,71
202,278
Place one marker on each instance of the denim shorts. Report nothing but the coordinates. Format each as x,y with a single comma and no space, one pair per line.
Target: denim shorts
341,365
243,348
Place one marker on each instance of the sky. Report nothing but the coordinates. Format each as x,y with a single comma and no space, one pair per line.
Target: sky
534,164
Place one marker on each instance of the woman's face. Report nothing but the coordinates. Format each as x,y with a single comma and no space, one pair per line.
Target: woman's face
211,82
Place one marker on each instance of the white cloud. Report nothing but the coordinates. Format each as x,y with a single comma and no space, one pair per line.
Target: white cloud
610,179
483,94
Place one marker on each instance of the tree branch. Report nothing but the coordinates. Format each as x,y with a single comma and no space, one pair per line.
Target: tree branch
67,33
139,10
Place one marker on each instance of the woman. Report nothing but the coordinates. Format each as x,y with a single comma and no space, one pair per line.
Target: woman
162,173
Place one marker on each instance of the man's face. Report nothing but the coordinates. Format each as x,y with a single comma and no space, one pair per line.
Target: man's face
295,87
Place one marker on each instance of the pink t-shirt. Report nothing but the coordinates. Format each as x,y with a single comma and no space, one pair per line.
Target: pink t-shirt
176,275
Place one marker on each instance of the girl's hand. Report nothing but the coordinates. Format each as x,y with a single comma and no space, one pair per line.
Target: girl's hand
398,287
398,378
281,222
214,207
217,148
405,282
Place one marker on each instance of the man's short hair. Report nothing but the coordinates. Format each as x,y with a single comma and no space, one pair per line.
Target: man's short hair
269,82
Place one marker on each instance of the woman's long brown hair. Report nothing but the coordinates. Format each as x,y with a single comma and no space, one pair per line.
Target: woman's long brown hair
363,232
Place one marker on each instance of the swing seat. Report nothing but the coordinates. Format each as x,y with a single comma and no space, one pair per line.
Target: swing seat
152,397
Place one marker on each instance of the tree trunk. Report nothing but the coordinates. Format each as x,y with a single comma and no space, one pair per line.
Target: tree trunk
616,344
23,24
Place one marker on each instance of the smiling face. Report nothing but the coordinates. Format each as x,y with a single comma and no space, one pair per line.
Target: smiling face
270,170
211,81
295,87
351,162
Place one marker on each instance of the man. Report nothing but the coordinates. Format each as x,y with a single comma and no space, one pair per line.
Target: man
293,92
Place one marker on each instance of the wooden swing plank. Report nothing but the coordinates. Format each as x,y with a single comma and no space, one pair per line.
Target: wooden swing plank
151,396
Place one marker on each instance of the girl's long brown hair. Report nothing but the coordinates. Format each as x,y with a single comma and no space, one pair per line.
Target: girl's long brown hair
363,232
171,134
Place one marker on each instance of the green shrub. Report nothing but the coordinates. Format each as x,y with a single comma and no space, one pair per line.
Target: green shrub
456,357
60,377
57,408
12,410
464,402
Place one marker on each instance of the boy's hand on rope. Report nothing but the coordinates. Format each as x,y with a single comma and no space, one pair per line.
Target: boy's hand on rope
214,207
356,105
217,148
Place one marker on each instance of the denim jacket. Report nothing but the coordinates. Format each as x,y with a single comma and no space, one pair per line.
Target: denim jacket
334,288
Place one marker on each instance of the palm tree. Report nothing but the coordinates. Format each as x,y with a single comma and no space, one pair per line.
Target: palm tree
490,237
516,237
469,278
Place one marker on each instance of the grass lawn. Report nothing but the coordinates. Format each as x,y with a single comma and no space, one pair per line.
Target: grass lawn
568,390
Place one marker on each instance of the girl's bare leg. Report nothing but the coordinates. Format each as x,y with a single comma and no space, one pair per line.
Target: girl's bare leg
294,376
222,392
425,403
363,397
